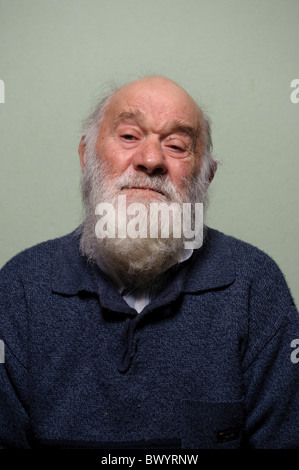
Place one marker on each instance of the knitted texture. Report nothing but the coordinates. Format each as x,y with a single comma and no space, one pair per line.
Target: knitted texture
207,364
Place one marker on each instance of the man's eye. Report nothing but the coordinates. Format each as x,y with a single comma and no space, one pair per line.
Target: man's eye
176,147
128,137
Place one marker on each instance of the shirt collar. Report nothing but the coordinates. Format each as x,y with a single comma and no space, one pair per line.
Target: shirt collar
119,280
210,267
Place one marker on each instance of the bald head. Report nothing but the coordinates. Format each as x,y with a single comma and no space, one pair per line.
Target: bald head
161,90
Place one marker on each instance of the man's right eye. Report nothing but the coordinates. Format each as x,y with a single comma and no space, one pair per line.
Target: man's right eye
128,137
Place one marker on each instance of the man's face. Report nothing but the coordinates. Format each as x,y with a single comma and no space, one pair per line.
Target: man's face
148,148
151,127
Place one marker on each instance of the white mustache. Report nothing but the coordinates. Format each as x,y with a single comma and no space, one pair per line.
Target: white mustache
161,185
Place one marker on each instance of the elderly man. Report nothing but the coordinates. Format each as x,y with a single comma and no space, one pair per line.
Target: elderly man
145,341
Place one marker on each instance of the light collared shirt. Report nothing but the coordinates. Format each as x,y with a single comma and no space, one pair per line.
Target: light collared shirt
139,297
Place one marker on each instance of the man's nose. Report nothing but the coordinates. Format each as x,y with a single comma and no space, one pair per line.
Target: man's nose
150,158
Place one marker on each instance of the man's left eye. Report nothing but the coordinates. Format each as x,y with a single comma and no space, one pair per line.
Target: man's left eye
176,147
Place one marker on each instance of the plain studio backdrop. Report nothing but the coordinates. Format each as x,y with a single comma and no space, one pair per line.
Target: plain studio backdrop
237,58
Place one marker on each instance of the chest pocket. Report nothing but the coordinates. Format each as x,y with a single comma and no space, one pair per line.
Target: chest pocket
212,425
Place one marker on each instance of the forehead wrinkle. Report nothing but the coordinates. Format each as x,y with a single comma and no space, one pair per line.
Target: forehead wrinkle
133,115
175,125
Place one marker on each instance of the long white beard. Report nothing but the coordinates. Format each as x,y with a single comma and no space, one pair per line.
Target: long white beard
139,259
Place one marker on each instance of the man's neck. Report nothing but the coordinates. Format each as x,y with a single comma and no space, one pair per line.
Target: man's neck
140,296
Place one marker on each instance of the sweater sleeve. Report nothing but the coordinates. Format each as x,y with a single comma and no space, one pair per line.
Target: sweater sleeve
271,364
14,419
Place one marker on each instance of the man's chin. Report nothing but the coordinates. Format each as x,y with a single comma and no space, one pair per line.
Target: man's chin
139,261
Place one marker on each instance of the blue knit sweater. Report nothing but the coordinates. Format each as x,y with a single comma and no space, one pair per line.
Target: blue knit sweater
210,363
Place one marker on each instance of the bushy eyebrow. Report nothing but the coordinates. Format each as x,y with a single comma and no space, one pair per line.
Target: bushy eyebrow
173,126
136,115
177,126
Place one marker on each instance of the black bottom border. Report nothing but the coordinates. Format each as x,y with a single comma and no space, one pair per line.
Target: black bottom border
137,458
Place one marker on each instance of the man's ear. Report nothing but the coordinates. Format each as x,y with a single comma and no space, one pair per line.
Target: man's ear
214,169
82,153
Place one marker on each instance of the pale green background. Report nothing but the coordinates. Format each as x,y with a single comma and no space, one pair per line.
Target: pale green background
236,57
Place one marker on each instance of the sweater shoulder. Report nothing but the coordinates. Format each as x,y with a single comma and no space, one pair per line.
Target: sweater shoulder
37,258
258,269
247,257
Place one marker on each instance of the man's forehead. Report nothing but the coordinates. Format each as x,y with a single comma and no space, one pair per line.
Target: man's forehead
158,99
138,115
